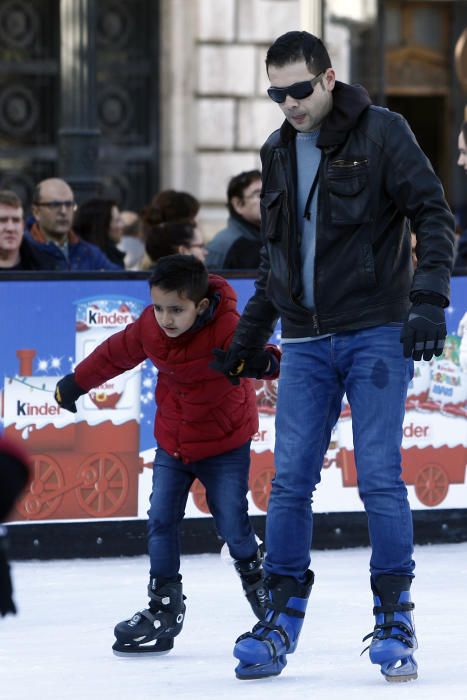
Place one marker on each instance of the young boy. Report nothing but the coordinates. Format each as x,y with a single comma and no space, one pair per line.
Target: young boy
203,426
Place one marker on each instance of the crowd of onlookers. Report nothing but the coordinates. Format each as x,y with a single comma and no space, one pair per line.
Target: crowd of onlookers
97,235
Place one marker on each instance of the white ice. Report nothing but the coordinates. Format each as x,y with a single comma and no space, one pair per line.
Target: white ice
59,645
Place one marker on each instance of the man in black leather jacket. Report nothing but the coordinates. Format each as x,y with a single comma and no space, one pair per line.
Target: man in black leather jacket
341,180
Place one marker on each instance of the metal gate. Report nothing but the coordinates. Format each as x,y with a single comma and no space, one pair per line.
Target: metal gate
126,95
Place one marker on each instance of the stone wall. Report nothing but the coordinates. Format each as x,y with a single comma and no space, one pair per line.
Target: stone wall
214,110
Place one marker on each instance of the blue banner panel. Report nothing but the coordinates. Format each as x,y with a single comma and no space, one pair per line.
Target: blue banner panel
97,464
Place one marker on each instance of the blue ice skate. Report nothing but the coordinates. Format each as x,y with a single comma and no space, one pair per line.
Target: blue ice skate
393,638
262,652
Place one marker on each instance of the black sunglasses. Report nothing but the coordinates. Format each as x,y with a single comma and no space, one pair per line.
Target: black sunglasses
299,91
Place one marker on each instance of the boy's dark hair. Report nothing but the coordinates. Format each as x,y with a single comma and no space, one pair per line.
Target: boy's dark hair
184,274
296,46
238,184
164,239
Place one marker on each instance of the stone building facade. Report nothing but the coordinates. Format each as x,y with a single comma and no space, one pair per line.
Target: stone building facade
215,113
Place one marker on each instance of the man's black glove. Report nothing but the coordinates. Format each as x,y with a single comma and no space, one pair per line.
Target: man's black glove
424,331
67,392
239,362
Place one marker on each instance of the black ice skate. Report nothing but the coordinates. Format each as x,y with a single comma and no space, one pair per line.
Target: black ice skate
153,630
252,577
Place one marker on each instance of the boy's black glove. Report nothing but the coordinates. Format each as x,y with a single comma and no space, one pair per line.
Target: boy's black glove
424,331
239,362
67,392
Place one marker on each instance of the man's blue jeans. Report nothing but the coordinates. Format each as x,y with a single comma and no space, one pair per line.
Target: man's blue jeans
369,366
225,478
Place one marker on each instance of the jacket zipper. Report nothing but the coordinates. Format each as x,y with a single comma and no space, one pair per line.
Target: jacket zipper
348,163
321,169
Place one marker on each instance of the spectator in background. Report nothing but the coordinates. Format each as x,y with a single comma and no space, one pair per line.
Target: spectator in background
460,262
132,241
98,221
237,246
16,252
53,209
171,205
172,238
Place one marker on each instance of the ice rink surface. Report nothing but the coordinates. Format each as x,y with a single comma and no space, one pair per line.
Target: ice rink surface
59,645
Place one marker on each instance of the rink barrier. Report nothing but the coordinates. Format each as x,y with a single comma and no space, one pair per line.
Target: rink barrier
198,535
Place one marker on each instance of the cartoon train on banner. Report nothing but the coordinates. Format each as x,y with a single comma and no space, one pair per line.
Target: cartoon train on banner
85,465
433,446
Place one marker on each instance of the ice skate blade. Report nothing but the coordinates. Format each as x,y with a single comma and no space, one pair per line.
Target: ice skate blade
257,675
160,648
401,679
252,672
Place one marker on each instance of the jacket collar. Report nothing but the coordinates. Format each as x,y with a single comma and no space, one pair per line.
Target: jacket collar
349,102
248,230
38,236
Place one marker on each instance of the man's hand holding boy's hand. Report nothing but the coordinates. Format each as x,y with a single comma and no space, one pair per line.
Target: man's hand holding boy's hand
239,362
67,392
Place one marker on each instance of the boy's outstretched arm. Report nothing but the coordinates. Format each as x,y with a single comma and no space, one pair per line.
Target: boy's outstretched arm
119,353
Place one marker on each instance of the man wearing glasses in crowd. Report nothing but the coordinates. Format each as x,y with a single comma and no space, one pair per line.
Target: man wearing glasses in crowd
237,246
53,209
341,180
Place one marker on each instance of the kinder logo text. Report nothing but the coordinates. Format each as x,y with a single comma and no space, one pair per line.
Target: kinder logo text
24,408
95,317
416,431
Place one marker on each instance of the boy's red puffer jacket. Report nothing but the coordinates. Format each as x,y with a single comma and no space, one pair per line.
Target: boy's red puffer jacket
199,412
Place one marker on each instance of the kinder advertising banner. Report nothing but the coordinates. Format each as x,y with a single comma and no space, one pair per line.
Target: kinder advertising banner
97,463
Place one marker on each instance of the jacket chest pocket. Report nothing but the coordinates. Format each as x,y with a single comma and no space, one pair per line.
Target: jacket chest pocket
349,191
273,214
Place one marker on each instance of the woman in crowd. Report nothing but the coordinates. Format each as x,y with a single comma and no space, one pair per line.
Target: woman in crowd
98,221
170,226
170,205
171,238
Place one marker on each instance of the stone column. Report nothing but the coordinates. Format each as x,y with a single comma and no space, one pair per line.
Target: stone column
78,136
311,16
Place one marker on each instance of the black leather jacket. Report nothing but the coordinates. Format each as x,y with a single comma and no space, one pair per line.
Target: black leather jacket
373,178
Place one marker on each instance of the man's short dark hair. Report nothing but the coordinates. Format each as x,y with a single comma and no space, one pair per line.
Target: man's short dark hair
10,199
298,46
184,274
238,184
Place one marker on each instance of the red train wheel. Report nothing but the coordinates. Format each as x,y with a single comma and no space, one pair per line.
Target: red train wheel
199,496
103,485
431,484
41,501
260,487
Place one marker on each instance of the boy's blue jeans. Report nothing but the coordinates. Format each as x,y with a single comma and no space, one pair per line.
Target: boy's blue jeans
369,366
225,478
